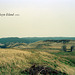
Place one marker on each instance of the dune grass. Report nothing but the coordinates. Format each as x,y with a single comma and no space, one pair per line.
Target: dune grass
13,61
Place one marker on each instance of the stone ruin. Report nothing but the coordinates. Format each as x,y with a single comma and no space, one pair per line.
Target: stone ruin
64,48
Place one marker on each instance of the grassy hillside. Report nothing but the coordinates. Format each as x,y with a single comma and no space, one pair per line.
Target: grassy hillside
13,61
51,44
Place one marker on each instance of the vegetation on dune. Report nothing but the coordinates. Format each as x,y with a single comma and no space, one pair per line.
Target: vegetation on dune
24,43
50,56
13,62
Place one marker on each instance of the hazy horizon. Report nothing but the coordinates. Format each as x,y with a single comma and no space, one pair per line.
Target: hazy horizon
37,18
37,37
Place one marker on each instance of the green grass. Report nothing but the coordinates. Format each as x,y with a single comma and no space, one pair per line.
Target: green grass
67,55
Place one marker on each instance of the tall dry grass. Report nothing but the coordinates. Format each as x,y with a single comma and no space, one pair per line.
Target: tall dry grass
13,61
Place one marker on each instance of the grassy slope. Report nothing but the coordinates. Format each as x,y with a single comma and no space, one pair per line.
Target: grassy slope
68,55
12,61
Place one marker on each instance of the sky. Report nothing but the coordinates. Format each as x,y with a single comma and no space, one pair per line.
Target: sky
37,18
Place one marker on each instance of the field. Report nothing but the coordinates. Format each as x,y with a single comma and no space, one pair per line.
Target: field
14,61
